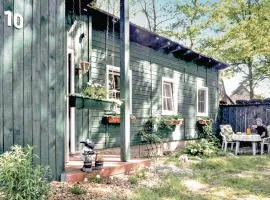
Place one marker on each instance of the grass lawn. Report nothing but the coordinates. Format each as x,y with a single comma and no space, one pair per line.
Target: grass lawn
224,177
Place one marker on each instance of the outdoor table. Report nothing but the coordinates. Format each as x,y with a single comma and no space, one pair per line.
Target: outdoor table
242,137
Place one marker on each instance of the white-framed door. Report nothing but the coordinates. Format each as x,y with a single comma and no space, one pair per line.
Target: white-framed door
70,118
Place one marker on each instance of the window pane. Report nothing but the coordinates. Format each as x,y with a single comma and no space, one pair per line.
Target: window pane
165,107
201,101
170,104
114,84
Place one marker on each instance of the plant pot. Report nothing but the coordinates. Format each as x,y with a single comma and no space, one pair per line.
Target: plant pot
99,164
132,119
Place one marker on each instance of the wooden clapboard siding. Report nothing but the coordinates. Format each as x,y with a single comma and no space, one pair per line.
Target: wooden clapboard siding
32,79
1,79
8,81
148,67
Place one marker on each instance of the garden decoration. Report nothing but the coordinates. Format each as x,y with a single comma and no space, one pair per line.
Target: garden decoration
99,161
87,155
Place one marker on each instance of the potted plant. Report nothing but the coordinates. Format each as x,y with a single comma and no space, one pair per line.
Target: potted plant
99,161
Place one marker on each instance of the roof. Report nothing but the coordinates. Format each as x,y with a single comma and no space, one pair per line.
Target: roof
145,37
240,93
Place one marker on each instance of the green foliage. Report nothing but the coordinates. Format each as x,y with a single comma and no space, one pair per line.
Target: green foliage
137,176
150,137
95,91
19,178
77,189
201,148
190,22
241,38
209,135
166,122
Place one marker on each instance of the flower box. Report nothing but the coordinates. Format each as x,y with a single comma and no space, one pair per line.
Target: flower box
117,120
204,121
112,119
173,122
80,102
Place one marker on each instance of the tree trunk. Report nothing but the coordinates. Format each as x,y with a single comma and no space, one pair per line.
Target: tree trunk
251,81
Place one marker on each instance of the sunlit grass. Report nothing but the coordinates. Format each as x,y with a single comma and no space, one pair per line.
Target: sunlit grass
223,177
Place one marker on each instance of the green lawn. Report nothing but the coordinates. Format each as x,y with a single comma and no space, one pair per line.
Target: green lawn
224,177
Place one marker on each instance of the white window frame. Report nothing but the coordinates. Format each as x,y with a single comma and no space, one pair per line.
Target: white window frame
117,69
202,114
174,93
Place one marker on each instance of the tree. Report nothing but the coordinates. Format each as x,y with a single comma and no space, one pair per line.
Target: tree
157,13
242,38
190,23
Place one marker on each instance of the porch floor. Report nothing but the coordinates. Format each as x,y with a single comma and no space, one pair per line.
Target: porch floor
112,166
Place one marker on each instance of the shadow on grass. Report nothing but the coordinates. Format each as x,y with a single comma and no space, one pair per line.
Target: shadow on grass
246,175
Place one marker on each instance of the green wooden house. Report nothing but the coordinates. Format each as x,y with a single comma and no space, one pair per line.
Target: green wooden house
50,49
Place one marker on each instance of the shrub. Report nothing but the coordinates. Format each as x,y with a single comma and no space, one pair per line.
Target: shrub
76,189
202,148
19,178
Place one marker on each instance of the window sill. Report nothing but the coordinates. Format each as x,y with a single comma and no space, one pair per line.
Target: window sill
167,112
202,114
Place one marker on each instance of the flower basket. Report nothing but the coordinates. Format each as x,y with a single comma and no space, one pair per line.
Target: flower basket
204,122
173,122
117,120
112,119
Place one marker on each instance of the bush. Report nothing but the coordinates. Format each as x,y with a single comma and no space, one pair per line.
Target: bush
202,148
19,179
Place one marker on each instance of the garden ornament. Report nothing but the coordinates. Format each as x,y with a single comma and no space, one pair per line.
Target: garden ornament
87,155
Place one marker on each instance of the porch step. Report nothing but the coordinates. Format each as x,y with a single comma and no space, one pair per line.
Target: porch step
112,166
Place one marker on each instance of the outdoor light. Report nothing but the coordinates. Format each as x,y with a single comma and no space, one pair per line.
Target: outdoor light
88,155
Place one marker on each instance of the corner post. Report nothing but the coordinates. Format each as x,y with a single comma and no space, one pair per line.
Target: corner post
124,80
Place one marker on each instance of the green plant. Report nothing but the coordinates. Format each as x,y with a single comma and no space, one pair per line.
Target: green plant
150,137
77,189
201,148
209,135
138,175
95,91
19,178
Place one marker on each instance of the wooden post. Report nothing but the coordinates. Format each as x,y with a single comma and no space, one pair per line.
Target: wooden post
124,80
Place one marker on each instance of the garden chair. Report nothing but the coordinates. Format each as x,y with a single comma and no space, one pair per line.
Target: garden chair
266,141
226,133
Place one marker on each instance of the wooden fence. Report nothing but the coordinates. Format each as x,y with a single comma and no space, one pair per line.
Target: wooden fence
241,116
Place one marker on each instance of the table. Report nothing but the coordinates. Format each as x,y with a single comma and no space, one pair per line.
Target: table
242,137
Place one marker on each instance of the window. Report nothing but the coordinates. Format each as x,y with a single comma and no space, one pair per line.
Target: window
202,101
113,83
169,102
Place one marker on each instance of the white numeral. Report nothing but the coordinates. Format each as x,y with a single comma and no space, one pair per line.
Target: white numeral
9,16
17,19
